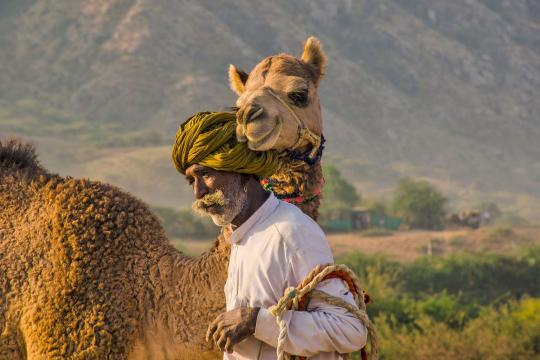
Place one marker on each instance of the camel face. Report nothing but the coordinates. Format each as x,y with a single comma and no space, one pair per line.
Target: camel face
278,97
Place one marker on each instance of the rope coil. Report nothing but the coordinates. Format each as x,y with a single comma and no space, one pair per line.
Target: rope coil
296,299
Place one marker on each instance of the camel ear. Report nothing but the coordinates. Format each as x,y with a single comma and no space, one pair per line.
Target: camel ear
314,55
237,79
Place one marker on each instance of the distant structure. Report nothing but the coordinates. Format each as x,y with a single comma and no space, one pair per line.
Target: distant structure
468,218
360,219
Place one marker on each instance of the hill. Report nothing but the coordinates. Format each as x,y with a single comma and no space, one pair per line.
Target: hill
447,91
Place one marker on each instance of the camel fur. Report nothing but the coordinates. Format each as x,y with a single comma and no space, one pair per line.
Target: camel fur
86,272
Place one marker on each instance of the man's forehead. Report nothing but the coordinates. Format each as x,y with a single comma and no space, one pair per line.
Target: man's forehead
196,168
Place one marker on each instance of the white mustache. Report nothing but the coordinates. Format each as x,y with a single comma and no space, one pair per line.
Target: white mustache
216,199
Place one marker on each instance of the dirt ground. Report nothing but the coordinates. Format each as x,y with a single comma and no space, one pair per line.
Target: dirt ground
409,245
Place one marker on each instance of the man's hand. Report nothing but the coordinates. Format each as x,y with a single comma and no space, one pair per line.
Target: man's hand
231,327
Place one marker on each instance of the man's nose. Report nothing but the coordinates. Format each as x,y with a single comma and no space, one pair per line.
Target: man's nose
199,189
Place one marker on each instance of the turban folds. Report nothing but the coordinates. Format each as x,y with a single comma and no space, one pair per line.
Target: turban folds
209,139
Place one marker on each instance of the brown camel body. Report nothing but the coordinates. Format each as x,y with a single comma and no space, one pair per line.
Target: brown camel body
86,270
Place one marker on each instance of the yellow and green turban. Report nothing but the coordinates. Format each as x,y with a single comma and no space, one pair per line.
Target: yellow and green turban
209,139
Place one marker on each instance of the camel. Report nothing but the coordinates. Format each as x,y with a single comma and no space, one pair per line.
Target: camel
86,270
278,108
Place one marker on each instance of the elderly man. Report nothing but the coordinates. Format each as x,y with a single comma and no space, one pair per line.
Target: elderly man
274,246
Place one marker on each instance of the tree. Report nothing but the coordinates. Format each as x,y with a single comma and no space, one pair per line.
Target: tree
420,204
338,193
378,204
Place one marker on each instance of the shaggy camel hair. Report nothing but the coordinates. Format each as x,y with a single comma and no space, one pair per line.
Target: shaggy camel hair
278,92
86,272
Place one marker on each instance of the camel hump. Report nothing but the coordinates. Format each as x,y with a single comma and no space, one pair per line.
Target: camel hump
17,154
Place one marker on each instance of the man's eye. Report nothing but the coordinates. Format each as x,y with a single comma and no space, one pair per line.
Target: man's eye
299,98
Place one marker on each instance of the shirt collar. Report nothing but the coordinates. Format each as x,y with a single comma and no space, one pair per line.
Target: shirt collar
259,215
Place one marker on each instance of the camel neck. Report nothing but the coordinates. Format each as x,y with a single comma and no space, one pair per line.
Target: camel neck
298,183
192,288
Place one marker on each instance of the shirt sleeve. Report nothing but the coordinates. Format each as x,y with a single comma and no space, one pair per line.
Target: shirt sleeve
324,327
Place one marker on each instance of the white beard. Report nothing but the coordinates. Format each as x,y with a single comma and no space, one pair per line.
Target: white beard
235,202
231,204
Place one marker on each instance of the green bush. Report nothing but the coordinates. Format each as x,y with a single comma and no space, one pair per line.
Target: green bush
461,307
511,331
484,278
459,282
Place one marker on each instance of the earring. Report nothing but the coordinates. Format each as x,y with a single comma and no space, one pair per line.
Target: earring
245,188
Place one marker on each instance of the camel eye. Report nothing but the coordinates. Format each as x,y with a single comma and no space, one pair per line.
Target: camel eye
299,98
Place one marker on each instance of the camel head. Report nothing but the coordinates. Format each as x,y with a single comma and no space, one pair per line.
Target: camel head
278,106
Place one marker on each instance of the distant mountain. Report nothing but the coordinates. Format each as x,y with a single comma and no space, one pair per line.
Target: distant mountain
444,90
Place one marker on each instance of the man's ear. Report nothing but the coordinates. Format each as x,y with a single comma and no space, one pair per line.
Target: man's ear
314,55
237,79
245,179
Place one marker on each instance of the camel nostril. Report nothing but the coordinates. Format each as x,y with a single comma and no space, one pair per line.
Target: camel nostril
254,113
240,136
240,117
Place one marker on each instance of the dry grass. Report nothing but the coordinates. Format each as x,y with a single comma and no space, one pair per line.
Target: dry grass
409,245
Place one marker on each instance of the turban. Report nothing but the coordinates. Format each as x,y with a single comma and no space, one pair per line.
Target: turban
209,139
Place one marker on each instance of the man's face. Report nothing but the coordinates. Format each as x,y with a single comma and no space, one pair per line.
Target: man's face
218,194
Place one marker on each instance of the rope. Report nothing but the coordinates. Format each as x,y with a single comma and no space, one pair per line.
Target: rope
304,134
306,155
296,299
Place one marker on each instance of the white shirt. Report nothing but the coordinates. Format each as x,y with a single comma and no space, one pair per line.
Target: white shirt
274,249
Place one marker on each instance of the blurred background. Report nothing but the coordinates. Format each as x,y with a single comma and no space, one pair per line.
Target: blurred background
431,114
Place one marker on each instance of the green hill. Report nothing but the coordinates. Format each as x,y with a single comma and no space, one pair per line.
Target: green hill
447,91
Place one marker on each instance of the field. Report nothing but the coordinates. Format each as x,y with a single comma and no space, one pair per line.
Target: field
408,246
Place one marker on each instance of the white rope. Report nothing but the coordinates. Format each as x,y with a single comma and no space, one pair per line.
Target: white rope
293,295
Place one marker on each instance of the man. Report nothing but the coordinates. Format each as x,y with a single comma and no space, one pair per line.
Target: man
274,246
